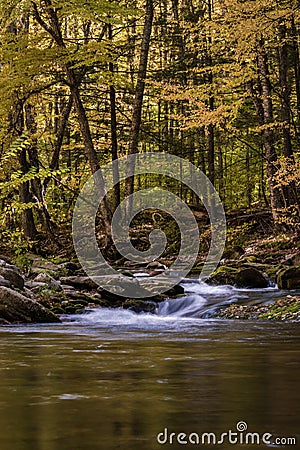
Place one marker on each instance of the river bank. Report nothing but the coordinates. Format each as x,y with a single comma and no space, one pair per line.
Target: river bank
284,309
59,284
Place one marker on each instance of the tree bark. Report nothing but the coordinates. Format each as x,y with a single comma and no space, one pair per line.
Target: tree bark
265,116
285,92
296,70
138,100
16,125
290,191
36,185
113,129
54,30
210,128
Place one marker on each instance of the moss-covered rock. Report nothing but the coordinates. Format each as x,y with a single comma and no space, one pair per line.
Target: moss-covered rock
16,308
139,306
223,275
233,252
287,309
13,276
289,278
250,278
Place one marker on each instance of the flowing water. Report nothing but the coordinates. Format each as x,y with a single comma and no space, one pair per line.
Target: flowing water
113,379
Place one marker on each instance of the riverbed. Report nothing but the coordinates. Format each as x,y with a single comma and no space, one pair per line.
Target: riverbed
113,379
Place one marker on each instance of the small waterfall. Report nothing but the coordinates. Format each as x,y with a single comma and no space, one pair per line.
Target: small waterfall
189,306
200,302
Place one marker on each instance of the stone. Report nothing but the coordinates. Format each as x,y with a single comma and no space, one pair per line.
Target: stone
4,282
13,277
39,264
80,282
4,322
8,265
288,278
69,267
234,252
16,308
292,260
35,285
223,275
48,280
250,278
139,306
156,265
175,290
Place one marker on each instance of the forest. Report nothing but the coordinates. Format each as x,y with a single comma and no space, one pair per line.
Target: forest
149,224
216,82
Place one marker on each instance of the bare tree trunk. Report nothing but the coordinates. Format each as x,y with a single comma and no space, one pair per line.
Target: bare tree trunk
210,128
296,70
139,95
285,92
60,133
16,121
28,225
54,30
113,128
36,185
290,191
265,114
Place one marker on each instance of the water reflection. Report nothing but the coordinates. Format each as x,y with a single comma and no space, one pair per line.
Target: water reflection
110,388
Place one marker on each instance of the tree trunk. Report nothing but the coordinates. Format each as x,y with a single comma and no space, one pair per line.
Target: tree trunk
265,116
210,128
16,121
36,185
28,225
90,150
54,30
296,70
285,92
290,191
138,100
113,128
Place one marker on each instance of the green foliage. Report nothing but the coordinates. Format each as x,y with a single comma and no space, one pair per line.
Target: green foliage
203,59
19,247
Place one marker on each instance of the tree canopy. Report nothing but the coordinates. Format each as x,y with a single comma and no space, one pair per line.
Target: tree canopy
82,83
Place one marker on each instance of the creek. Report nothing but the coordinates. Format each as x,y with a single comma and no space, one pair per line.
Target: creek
113,379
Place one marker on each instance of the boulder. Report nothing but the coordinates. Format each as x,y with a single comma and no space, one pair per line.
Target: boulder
35,285
234,252
175,290
250,278
288,278
13,277
156,265
8,265
39,264
4,282
69,267
16,308
222,275
80,282
139,306
48,280
292,260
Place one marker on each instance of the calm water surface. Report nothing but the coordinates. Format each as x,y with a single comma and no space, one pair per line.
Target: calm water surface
114,380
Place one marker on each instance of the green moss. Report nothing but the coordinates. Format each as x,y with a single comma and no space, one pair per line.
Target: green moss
287,309
223,275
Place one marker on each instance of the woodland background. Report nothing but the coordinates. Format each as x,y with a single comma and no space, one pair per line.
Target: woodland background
82,83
